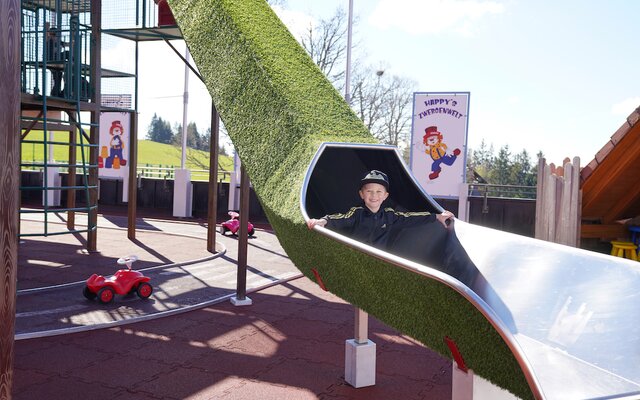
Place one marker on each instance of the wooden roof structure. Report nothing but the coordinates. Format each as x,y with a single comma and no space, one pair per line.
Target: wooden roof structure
611,183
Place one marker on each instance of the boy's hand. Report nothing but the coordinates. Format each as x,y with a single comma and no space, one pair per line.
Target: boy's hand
313,222
444,217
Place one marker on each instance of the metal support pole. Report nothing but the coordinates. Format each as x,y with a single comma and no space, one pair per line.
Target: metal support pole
361,330
463,202
185,106
347,84
241,298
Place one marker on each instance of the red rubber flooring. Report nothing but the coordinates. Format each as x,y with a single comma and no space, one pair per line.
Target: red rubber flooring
288,345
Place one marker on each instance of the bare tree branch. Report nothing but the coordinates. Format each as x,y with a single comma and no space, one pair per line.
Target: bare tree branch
396,116
383,103
326,44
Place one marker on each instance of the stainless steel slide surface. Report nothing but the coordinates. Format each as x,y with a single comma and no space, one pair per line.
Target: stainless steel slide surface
575,313
570,316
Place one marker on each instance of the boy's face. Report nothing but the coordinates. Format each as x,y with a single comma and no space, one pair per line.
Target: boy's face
373,194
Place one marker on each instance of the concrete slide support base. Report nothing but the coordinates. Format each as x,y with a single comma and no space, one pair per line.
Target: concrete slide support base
360,363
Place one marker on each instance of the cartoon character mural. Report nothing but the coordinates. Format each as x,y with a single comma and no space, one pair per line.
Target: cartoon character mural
439,141
437,150
116,145
114,159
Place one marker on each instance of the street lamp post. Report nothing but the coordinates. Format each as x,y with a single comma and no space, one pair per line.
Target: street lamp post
347,84
360,352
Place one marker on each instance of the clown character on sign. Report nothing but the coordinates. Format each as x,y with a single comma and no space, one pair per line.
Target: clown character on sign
116,144
437,150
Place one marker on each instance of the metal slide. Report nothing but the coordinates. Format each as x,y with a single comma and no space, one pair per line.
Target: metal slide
569,316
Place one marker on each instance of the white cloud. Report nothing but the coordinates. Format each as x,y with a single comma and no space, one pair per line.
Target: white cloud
420,17
298,22
626,106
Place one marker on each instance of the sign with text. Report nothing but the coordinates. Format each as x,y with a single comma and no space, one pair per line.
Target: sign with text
439,141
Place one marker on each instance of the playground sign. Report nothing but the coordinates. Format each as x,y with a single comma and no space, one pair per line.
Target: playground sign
439,141
113,153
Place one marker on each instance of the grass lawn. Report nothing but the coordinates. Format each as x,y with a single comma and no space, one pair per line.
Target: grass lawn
149,154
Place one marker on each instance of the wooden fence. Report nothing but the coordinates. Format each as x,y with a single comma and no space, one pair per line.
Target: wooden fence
559,202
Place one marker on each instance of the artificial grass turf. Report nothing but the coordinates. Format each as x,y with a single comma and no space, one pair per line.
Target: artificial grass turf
278,108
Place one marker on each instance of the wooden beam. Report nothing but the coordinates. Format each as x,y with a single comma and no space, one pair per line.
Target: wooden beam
32,102
605,231
243,233
624,202
28,126
10,178
623,157
212,204
96,18
71,181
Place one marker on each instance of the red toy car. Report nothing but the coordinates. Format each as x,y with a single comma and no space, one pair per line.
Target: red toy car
233,225
124,281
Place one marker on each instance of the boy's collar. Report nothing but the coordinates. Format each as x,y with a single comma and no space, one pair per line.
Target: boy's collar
371,212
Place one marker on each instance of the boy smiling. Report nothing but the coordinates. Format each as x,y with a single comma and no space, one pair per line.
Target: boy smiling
372,224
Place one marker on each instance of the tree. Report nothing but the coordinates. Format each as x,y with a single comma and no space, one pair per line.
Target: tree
521,169
383,103
397,103
194,140
367,97
326,44
504,169
501,173
207,140
480,163
160,130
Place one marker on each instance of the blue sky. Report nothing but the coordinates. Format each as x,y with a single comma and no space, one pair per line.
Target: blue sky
556,76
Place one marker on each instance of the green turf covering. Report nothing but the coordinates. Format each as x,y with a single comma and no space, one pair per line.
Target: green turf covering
278,108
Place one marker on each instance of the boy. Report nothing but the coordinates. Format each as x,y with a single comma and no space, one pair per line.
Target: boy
372,224
433,246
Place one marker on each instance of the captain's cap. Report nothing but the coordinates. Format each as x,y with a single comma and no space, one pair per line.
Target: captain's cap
375,176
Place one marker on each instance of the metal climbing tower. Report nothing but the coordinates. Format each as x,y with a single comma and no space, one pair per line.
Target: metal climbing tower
79,63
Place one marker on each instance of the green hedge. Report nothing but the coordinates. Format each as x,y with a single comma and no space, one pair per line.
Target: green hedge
278,108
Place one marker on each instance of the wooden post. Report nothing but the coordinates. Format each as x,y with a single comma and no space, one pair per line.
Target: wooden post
241,298
576,203
243,234
361,326
558,203
212,205
10,179
71,179
94,136
539,193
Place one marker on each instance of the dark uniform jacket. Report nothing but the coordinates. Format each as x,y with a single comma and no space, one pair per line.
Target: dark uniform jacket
374,229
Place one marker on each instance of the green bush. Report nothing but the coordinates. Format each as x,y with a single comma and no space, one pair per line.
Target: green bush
278,108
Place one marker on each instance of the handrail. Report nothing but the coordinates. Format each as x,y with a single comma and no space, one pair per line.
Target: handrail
503,191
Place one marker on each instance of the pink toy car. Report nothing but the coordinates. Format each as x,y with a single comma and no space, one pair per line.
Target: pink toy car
233,225
124,281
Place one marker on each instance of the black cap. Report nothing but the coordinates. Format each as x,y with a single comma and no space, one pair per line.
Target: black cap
375,176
